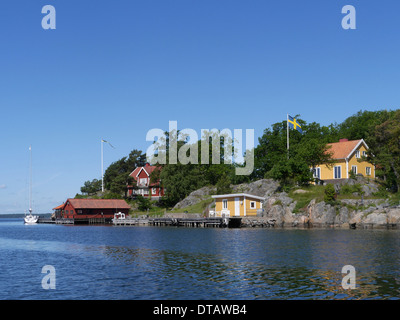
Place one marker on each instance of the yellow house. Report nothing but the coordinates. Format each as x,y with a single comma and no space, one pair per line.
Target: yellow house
236,205
348,157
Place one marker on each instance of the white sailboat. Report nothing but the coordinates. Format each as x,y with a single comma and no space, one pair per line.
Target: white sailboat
30,218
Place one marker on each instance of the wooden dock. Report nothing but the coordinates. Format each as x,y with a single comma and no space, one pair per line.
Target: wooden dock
130,222
46,220
168,221
65,221
70,221
190,222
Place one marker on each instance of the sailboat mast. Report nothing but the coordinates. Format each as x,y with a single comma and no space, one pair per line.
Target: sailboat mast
30,179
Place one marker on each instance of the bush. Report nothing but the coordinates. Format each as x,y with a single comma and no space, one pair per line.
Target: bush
112,195
224,185
330,194
350,189
143,203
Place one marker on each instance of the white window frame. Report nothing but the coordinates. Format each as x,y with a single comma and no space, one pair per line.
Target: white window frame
224,204
358,154
352,169
366,171
253,205
317,173
153,190
337,174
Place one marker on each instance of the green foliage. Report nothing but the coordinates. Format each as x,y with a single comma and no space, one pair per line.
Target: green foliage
330,194
316,192
380,130
350,189
224,185
144,203
385,150
181,179
91,187
112,195
116,177
307,150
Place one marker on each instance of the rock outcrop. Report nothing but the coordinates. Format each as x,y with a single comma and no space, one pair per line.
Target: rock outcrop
278,208
195,197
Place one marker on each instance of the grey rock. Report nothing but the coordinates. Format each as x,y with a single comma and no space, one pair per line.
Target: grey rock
195,197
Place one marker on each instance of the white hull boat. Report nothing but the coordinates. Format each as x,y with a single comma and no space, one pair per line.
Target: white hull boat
31,219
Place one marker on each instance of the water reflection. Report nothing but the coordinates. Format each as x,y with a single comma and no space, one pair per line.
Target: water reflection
180,263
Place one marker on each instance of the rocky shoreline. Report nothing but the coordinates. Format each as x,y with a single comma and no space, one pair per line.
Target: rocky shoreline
325,216
278,209
348,213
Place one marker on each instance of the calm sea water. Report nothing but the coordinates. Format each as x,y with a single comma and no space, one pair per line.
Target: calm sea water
106,262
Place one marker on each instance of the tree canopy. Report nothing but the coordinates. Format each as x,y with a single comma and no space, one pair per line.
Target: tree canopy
116,176
379,129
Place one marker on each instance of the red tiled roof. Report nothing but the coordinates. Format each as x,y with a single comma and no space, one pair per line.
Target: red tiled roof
98,203
342,149
59,207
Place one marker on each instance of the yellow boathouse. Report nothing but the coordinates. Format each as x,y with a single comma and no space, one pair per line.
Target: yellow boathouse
236,205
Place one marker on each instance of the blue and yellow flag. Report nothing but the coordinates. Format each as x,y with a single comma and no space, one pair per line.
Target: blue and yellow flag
293,124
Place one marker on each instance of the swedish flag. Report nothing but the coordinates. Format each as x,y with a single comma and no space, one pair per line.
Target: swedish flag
293,124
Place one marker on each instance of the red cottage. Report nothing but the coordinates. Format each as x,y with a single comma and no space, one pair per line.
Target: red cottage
84,210
142,177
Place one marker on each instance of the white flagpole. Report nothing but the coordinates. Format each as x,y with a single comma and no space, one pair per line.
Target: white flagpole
287,133
102,163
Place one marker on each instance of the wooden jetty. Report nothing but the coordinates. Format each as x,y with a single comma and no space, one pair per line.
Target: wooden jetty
195,222
46,220
70,221
190,222
130,222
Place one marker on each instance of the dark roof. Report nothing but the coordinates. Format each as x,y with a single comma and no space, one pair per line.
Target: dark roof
98,203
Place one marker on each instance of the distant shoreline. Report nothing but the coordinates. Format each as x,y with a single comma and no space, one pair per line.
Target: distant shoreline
21,215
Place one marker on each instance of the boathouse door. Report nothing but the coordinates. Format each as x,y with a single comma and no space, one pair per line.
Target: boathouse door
237,206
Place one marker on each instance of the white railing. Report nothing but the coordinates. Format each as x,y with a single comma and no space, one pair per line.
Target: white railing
222,213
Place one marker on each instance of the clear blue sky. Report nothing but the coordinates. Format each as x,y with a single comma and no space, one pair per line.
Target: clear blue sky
116,69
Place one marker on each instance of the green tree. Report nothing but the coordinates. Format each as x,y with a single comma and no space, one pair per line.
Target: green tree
307,150
384,151
116,176
362,124
143,203
91,187
330,193
181,179
224,185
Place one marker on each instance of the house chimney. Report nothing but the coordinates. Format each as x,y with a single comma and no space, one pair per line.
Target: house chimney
343,140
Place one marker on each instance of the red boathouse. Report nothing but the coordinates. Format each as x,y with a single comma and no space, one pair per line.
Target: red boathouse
91,210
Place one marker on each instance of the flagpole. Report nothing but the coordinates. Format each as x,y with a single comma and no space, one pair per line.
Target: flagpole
102,163
287,134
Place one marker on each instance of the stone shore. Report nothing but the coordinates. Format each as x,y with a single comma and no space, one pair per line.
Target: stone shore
278,208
